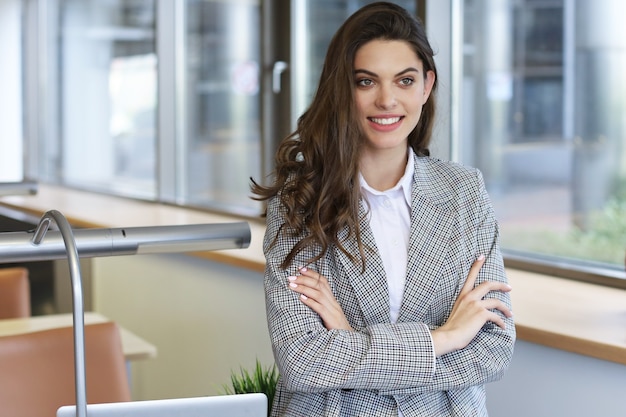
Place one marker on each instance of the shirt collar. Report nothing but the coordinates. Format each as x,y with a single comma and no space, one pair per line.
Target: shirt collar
405,183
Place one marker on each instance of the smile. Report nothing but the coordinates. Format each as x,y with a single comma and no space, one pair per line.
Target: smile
385,121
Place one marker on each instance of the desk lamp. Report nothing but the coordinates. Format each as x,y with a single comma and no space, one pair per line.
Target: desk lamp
18,188
30,246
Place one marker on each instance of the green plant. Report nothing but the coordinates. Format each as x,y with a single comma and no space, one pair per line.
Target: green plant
262,380
603,240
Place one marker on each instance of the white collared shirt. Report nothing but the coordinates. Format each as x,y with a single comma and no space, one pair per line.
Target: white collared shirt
390,220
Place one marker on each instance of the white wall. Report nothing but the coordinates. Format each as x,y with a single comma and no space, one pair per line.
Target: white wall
546,382
205,318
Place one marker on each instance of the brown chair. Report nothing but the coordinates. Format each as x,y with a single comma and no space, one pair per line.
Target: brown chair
37,370
14,293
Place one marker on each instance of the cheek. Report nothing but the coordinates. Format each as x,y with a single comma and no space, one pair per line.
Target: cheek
361,101
420,97
417,100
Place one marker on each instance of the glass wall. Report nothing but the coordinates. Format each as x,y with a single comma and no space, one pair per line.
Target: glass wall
108,96
110,82
544,117
162,100
222,106
536,86
11,167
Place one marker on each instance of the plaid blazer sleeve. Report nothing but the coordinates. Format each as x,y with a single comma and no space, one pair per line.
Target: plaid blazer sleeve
475,232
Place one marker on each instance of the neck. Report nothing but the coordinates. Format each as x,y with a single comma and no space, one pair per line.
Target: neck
383,171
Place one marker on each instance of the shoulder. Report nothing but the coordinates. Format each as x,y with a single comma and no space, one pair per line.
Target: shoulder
445,179
446,169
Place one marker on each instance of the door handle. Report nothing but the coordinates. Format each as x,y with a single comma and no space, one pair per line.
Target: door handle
277,71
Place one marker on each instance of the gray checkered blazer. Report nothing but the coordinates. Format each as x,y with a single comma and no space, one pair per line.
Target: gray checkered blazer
381,367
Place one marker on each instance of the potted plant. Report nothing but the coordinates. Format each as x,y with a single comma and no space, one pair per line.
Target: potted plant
261,380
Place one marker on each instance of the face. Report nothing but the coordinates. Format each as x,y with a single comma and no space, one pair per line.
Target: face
391,89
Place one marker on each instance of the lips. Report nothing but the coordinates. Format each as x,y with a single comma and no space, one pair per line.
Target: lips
385,121
385,124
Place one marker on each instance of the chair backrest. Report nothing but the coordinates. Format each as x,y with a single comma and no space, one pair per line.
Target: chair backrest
37,370
14,293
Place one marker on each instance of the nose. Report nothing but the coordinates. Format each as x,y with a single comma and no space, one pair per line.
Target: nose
386,98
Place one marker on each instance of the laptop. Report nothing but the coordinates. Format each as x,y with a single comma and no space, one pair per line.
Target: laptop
236,405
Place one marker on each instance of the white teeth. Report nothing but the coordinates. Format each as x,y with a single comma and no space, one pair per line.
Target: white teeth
387,121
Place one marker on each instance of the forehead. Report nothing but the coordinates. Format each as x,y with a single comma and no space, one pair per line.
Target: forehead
386,55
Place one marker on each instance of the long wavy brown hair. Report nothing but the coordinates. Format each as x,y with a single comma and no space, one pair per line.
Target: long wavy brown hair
317,166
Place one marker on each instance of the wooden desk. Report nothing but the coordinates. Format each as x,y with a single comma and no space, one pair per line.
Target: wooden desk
134,347
578,317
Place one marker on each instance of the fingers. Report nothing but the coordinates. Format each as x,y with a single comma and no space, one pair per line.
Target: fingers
477,296
471,311
309,284
311,277
315,293
480,291
488,286
492,304
473,274
314,290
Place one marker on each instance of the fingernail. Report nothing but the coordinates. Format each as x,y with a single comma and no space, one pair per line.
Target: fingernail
291,278
303,269
293,284
480,257
304,297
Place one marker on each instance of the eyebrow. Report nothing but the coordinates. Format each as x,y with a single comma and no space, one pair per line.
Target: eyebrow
373,74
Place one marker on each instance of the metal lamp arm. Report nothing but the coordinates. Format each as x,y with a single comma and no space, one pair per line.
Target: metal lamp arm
77,300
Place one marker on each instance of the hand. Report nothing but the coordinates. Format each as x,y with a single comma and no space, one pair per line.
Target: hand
315,292
470,312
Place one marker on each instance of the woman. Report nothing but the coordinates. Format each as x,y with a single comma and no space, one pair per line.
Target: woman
385,287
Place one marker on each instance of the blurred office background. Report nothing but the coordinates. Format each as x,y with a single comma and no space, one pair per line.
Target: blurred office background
182,101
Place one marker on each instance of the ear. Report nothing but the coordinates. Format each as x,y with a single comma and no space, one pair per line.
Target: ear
429,82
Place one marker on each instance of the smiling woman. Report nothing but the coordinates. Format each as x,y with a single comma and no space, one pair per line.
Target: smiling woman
384,282
391,88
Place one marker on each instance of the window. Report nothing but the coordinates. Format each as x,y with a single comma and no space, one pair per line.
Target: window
151,100
182,102
222,116
542,116
173,101
11,169
98,123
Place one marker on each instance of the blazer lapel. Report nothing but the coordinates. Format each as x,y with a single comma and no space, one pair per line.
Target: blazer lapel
431,225
370,287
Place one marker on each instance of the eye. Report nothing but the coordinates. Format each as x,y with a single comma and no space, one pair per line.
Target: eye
407,81
364,82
